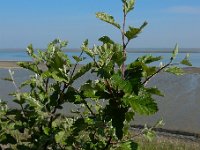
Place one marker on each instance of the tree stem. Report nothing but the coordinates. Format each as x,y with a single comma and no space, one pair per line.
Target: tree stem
124,44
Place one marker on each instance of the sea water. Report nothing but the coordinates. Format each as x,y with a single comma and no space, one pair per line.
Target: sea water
21,55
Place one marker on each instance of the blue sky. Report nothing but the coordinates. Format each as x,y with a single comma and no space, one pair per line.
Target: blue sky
40,21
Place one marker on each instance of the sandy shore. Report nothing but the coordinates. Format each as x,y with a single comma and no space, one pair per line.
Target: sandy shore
8,64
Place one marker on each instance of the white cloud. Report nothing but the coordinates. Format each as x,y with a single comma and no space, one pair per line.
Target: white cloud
184,10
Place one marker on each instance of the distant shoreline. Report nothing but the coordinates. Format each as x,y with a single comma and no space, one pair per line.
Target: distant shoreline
13,64
9,64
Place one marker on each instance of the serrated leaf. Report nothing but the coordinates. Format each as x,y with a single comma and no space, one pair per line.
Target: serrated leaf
88,90
77,59
133,32
175,70
154,91
82,71
118,82
59,137
107,18
142,104
59,78
128,5
147,59
106,39
30,66
186,61
85,49
175,52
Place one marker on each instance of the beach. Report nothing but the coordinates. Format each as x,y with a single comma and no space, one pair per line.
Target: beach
8,64
180,108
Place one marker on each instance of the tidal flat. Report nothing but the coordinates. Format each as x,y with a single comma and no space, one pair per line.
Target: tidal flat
179,108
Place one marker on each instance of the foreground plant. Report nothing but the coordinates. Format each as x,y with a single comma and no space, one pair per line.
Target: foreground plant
103,108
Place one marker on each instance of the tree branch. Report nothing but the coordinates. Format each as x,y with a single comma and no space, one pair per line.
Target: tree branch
159,70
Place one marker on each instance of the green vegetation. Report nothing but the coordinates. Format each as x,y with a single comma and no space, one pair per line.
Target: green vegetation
104,107
167,143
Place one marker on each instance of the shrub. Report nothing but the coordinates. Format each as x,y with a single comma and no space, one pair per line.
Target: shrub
105,106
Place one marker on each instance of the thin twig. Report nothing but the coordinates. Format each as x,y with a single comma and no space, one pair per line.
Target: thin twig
123,67
159,70
46,85
88,107
76,64
13,81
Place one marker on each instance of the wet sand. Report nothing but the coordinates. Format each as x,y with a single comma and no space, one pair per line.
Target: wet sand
8,64
180,108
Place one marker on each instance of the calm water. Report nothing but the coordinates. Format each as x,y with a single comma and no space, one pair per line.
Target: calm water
20,55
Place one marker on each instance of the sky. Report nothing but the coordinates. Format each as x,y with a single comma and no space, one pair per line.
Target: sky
40,21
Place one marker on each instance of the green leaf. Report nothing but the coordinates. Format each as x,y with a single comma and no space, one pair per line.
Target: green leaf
85,48
133,32
130,145
154,91
63,44
142,104
118,56
160,123
175,52
107,18
117,115
118,82
134,74
129,116
59,77
106,39
72,96
77,59
82,71
186,61
175,70
30,51
46,130
147,59
149,134
59,137
30,66
88,90
128,5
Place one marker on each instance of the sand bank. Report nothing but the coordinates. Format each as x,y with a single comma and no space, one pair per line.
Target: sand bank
8,64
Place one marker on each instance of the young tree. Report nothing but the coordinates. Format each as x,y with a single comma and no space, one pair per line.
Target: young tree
105,107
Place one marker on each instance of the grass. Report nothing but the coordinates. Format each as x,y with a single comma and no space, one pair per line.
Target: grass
168,143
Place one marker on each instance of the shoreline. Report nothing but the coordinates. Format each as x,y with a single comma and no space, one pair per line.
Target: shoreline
9,64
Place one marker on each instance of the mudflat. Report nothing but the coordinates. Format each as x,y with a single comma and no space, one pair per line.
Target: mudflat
180,108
